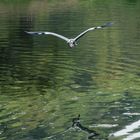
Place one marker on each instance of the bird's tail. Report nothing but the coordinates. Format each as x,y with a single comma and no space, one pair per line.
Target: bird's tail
107,24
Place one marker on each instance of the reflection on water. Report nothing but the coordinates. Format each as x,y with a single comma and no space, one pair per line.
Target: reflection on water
44,83
128,129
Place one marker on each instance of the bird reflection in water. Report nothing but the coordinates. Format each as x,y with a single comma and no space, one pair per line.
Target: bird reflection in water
92,134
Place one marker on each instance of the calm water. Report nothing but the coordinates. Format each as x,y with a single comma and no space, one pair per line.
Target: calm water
44,84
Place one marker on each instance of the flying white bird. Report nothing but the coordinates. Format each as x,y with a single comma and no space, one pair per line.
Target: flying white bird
71,41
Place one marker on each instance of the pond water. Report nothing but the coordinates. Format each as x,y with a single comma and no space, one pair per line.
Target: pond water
44,84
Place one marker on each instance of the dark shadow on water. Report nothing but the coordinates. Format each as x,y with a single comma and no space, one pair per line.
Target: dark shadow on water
132,1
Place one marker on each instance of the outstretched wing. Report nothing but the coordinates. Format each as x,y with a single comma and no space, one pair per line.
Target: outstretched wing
93,28
48,33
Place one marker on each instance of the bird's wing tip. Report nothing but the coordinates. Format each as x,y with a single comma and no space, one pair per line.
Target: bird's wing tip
27,32
32,33
109,24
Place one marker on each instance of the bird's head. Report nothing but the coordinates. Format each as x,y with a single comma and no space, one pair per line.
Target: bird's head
72,43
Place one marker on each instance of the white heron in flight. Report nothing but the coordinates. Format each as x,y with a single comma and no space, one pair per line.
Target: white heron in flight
71,41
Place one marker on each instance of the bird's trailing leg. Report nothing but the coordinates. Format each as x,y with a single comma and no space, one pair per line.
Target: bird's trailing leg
75,43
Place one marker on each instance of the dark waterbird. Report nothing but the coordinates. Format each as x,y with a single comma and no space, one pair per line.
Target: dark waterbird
71,41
